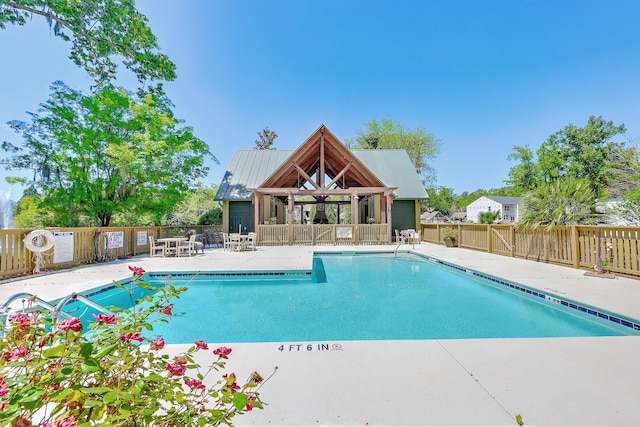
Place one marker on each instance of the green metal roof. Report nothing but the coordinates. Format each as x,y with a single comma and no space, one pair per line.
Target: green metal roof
394,169
250,168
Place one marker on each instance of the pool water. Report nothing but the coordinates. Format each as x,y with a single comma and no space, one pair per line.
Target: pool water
366,297
359,297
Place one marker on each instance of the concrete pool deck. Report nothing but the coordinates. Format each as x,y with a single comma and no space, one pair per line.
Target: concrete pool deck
591,381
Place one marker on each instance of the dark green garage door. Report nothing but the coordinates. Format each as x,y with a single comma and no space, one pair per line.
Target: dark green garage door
241,217
403,214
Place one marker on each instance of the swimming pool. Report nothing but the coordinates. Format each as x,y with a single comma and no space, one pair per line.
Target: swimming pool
380,296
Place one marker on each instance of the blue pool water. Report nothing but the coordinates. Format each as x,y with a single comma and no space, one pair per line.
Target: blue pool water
370,297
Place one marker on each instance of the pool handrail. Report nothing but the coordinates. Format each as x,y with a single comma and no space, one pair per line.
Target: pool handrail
5,307
77,297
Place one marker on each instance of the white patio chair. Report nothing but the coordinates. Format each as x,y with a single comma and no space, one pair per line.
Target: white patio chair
226,242
251,241
155,247
399,238
186,247
235,242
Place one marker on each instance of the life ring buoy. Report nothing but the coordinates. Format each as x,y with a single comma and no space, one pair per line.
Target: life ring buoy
39,241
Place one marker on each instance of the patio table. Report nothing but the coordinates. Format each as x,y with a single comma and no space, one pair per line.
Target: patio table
171,243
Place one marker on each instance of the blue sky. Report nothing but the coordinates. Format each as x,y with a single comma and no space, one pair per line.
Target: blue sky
482,76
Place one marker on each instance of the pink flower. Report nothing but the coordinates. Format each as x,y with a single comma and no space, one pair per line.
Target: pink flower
250,398
176,369
20,320
197,384
222,352
201,345
17,353
137,271
157,343
106,319
166,310
4,387
130,336
65,422
72,323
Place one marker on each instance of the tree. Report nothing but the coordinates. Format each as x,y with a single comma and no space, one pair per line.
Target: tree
266,139
440,199
101,154
197,203
563,202
629,208
488,217
582,153
625,170
99,30
30,214
386,134
522,177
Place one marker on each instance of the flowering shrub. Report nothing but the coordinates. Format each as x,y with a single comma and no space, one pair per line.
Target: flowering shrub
607,258
56,376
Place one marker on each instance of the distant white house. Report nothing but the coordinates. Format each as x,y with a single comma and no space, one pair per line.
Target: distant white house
509,208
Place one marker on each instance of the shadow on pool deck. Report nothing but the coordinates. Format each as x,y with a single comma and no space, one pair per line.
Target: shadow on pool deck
558,381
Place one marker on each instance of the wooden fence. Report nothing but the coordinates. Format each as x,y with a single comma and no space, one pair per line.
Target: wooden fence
82,246
572,246
322,234
617,248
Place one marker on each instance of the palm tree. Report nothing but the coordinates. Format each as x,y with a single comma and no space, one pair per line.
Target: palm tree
565,201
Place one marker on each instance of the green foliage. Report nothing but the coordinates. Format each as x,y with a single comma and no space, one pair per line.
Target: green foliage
522,177
624,171
565,201
488,217
29,214
212,217
266,139
519,419
629,207
582,153
461,201
107,153
196,204
99,31
440,199
108,378
386,134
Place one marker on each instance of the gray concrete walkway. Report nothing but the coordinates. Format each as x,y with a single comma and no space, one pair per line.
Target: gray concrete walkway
549,382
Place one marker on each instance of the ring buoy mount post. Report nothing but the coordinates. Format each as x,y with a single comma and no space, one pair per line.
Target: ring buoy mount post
39,241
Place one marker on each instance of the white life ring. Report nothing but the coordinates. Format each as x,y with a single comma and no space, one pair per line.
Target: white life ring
39,241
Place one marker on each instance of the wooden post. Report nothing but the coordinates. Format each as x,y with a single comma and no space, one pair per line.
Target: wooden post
290,216
388,219
355,217
513,241
256,198
489,239
575,246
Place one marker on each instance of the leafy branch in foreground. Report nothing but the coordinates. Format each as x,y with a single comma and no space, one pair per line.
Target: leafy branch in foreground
54,375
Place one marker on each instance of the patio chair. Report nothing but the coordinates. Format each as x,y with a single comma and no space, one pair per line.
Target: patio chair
399,238
235,242
217,239
155,247
226,242
251,241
